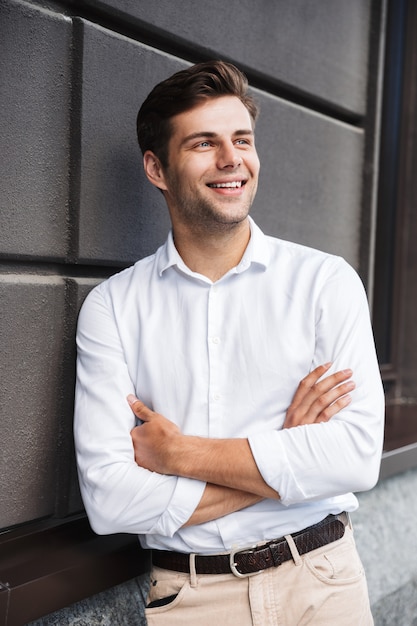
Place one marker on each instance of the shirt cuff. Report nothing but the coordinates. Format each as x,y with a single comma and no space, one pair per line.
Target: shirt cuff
184,501
272,461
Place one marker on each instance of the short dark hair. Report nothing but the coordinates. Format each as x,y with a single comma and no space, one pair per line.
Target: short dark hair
180,93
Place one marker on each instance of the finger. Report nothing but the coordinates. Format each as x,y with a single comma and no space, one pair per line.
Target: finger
331,381
319,389
307,383
139,408
333,409
326,404
318,406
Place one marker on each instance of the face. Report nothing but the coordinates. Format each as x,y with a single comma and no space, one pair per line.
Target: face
213,166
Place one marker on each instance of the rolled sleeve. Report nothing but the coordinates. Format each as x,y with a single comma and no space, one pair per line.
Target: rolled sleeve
270,456
182,505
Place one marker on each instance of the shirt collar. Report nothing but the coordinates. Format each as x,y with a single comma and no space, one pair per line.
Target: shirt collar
257,252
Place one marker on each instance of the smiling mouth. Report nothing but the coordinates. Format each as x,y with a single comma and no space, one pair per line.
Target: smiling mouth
235,184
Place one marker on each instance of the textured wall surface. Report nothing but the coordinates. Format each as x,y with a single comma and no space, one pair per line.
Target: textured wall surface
75,206
316,47
385,533
34,131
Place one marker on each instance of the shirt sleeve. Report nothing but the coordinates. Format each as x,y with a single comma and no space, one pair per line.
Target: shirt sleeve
119,496
316,461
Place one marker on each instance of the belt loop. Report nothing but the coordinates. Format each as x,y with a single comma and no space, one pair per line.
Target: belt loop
193,572
294,552
349,521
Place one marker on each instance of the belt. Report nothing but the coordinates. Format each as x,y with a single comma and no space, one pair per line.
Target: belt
247,561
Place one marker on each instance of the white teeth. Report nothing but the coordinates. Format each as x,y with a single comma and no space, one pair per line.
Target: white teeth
234,184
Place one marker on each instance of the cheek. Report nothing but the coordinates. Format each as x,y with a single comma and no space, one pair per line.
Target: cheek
256,165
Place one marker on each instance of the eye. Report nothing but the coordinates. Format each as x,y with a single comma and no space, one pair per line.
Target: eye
202,145
243,142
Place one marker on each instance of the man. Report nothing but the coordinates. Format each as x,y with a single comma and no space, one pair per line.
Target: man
238,476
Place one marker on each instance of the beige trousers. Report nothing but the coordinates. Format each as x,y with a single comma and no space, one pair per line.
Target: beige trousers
326,587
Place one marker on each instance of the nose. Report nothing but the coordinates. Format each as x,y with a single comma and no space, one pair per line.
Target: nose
228,156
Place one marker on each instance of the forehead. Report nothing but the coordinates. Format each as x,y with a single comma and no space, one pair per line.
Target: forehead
223,115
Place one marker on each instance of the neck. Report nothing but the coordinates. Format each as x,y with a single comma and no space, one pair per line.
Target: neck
213,255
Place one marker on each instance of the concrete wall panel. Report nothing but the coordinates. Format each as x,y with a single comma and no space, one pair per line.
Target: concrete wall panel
317,47
310,182
31,332
122,217
34,130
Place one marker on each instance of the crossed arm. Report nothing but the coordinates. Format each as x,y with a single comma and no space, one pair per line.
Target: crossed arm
232,478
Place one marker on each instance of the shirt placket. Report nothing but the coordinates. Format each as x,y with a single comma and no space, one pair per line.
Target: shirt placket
215,342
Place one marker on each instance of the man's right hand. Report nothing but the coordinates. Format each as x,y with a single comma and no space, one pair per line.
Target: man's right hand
318,400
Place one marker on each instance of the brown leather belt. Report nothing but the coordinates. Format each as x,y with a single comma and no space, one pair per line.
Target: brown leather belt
249,561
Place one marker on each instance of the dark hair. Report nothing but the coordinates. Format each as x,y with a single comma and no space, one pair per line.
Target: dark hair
181,92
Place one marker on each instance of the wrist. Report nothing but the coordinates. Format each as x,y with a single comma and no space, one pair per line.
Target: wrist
176,454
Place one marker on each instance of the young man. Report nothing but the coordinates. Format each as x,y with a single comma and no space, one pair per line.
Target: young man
238,476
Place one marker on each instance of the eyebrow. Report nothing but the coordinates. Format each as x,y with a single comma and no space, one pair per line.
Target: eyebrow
211,135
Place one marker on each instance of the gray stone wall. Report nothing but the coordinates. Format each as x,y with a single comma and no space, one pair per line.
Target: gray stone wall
385,533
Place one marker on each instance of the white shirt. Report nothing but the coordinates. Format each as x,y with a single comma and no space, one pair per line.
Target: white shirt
223,360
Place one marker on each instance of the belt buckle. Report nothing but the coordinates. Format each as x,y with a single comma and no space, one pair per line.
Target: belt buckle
233,564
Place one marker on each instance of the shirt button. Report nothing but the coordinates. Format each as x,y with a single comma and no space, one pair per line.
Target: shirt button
216,397
215,340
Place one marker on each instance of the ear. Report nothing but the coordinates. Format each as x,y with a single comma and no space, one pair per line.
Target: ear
153,170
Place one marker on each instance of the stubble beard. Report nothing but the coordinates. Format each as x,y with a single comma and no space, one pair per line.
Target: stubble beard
203,217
